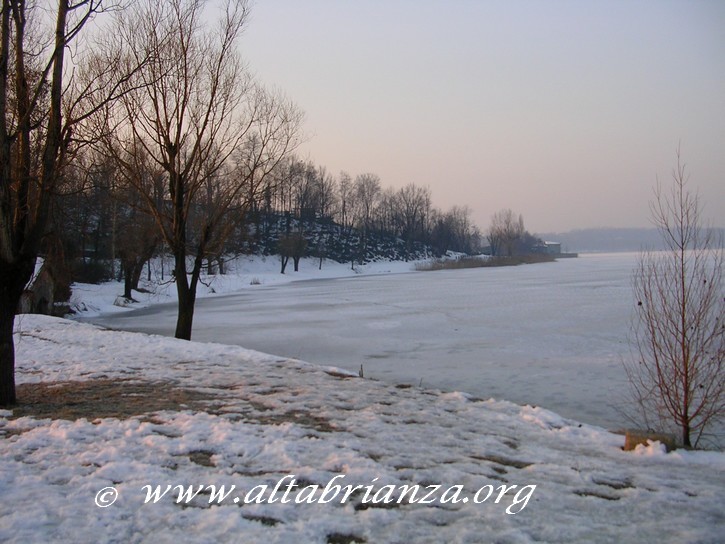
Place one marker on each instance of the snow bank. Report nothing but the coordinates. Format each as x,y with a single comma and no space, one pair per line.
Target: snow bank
245,272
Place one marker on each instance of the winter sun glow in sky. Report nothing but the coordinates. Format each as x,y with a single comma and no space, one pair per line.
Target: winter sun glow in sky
564,111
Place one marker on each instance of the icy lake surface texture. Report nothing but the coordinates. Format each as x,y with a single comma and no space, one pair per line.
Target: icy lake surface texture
550,334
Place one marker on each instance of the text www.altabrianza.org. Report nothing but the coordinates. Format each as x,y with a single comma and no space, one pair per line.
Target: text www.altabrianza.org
287,491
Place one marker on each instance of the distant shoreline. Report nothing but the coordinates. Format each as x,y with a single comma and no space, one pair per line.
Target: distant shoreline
487,262
611,240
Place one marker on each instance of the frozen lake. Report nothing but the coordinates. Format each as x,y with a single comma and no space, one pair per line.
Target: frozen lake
550,334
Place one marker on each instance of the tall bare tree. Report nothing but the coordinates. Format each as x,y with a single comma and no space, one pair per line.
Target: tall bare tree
195,111
345,197
138,236
40,104
413,207
326,195
367,196
505,232
676,374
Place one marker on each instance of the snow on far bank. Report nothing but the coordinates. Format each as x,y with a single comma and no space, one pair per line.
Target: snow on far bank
248,419
89,300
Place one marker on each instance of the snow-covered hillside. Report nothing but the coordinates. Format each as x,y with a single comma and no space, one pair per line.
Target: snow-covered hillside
123,410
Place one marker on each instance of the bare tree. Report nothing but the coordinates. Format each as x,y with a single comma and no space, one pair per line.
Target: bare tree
291,245
387,219
465,233
138,237
413,207
367,195
346,199
326,195
195,111
505,232
676,374
36,139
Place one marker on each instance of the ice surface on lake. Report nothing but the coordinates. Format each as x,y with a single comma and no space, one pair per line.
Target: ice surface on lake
550,334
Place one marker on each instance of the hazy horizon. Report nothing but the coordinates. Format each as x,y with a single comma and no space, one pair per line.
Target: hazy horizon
566,112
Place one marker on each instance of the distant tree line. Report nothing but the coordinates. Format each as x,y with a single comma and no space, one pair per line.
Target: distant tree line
308,195
102,222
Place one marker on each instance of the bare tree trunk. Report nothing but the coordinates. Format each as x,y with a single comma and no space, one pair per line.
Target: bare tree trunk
132,270
185,318
114,220
686,434
284,259
136,272
127,283
23,217
187,298
8,305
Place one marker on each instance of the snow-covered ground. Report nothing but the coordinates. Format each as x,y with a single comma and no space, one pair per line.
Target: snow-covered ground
187,413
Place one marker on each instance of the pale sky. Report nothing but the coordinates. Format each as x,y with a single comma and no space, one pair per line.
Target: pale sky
564,111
